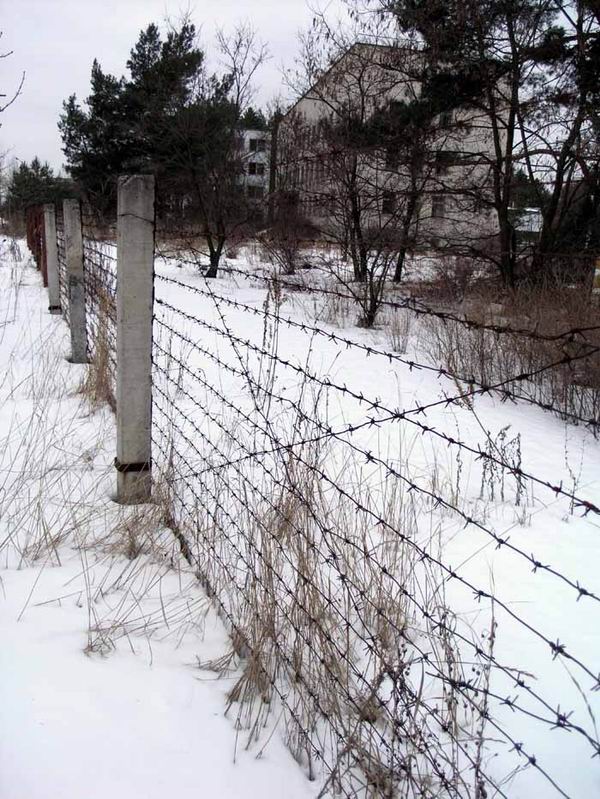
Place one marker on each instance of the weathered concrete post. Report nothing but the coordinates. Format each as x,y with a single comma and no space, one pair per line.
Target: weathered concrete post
52,259
75,281
135,292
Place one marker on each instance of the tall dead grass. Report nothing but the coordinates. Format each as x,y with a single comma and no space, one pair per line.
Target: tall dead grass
487,357
342,632
98,384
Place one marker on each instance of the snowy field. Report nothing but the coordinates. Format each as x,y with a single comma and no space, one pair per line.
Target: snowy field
218,355
306,505
100,690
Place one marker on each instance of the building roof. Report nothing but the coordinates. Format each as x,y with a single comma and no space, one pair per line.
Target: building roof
355,48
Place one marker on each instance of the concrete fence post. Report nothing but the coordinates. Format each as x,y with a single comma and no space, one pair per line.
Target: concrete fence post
52,259
135,294
43,266
75,279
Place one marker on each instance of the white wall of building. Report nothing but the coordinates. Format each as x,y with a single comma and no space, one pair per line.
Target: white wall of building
256,148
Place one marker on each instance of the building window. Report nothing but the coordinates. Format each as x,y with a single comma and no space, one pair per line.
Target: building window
392,158
479,205
258,145
321,171
438,206
445,119
441,163
388,205
256,192
289,200
445,159
256,169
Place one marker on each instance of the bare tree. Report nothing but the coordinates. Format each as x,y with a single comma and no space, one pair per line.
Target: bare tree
242,55
332,163
4,102
202,157
530,74
380,160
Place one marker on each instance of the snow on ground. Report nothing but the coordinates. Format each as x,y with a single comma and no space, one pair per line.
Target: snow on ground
81,574
538,523
102,626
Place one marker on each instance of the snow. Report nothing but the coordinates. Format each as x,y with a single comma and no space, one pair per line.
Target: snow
130,725
99,678
123,711
541,524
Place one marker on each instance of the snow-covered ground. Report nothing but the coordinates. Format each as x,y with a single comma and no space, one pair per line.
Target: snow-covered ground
134,716
100,690
532,518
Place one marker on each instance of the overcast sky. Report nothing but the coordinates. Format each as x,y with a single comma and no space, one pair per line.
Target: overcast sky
55,42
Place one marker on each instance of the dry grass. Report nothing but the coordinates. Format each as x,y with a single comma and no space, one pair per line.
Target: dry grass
487,357
330,642
33,462
336,311
398,326
123,565
97,386
325,606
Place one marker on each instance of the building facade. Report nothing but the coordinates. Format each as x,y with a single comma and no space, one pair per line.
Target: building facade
255,147
341,158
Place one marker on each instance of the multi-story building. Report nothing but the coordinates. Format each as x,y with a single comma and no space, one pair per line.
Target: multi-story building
340,157
255,154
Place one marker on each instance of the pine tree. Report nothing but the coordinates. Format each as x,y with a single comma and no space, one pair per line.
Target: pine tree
34,184
532,68
170,118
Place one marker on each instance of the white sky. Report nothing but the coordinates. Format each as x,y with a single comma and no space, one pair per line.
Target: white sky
55,42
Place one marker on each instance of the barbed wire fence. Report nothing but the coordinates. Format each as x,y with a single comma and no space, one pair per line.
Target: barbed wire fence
296,497
35,237
101,315
479,351
62,266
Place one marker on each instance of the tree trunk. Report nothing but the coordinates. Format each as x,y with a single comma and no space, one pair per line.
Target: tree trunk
404,246
507,249
354,255
411,210
216,244
215,257
400,264
357,243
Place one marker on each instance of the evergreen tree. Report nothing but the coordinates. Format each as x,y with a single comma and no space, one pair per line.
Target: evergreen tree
34,184
532,68
125,121
253,119
170,118
99,142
